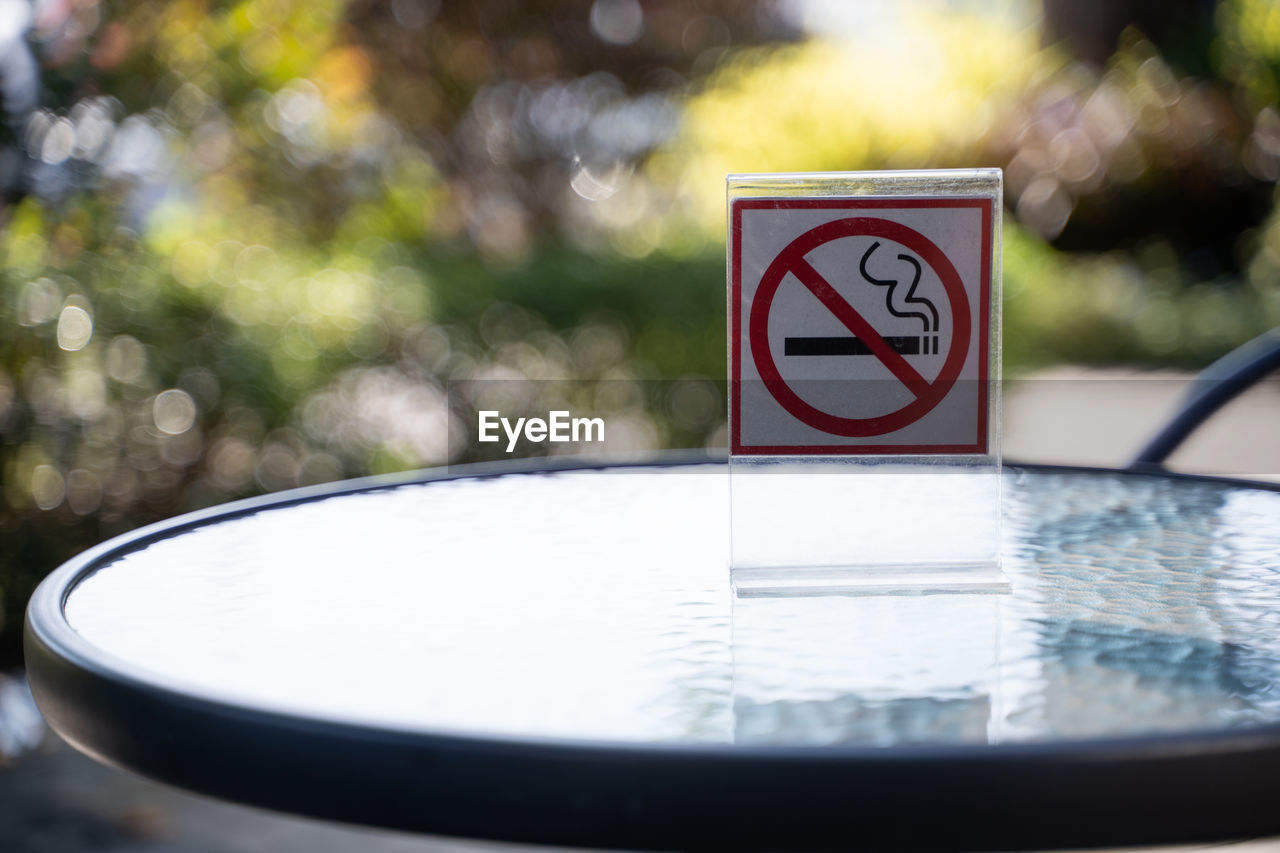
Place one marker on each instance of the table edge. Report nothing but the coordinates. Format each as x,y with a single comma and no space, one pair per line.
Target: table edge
1165,788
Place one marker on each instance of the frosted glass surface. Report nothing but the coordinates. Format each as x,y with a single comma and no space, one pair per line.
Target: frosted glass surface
596,605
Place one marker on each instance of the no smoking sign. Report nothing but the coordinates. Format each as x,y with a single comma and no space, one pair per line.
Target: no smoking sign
860,325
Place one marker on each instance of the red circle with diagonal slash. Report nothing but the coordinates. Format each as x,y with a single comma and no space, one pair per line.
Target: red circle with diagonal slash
792,260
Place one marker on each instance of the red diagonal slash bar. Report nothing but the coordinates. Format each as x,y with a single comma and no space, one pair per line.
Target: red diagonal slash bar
854,322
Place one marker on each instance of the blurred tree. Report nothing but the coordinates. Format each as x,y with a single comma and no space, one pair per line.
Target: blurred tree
521,103
1092,30
1197,195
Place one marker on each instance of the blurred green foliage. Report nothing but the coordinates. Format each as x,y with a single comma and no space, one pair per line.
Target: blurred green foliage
247,244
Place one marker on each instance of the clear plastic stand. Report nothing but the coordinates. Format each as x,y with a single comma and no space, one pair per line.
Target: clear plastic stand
888,670
864,377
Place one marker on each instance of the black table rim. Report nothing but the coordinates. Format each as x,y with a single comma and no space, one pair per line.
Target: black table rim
1190,787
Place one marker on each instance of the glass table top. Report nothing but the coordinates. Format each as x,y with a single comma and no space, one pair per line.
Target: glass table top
596,605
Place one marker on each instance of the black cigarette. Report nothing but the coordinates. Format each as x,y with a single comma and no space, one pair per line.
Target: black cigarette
848,345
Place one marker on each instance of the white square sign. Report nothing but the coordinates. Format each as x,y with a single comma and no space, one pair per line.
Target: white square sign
860,325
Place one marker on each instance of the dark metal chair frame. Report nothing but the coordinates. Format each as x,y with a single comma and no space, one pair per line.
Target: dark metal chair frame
1214,387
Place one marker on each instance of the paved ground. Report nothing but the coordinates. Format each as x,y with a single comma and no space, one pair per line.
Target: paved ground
53,800
1103,417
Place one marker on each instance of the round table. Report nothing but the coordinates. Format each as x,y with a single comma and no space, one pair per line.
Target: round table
557,656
